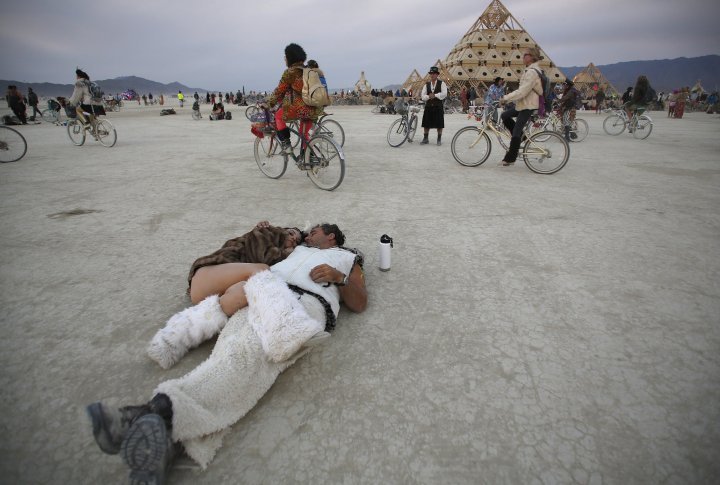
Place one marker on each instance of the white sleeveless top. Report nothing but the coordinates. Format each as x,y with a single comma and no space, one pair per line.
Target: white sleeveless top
295,270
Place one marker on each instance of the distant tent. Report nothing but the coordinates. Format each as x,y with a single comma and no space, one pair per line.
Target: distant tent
362,86
590,80
129,94
413,82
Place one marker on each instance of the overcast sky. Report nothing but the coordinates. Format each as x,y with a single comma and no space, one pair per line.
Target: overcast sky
227,44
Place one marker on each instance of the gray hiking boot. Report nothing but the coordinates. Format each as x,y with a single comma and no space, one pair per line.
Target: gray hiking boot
148,450
110,425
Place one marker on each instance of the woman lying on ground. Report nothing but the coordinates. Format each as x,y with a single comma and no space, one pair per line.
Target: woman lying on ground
217,282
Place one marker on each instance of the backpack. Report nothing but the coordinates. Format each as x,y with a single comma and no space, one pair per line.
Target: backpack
314,90
546,89
95,92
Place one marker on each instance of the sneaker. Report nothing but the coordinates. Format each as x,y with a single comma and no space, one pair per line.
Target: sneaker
507,164
573,136
286,146
439,143
148,450
110,425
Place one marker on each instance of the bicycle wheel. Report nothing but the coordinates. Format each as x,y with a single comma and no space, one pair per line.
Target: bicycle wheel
106,133
546,156
76,132
579,129
50,115
269,158
397,133
12,145
251,110
327,162
643,128
469,147
333,129
534,127
614,125
412,129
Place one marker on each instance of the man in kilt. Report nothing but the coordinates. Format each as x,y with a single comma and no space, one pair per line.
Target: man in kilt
434,92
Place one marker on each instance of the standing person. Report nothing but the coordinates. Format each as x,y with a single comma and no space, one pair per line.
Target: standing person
197,409
162,99
526,98
207,98
289,93
181,98
494,94
472,96
83,100
33,101
144,98
464,99
150,98
212,99
196,96
16,103
599,100
626,95
433,94
568,102
680,101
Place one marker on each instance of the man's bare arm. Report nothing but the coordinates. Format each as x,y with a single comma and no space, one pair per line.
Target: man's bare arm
353,294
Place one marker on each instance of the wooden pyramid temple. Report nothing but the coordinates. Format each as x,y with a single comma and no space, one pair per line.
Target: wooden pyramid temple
590,80
492,48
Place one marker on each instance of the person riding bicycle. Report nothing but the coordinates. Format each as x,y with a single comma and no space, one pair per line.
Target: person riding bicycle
641,96
566,107
82,99
289,93
526,98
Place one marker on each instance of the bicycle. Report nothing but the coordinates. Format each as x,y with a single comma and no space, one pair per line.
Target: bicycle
102,130
403,129
52,113
322,126
12,145
320,156
253,109
544,152
579,128
640,125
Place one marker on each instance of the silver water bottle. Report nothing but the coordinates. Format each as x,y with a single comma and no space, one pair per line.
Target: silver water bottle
386,244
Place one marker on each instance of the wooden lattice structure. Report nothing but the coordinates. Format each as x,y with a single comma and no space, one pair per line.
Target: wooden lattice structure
413,81
590,80
492,48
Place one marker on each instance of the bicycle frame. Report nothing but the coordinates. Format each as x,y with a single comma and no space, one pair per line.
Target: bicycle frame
488,124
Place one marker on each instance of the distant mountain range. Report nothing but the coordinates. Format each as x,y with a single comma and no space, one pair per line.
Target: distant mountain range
664,75
110,86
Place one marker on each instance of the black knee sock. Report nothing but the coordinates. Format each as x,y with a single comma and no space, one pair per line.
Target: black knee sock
161,405
283,134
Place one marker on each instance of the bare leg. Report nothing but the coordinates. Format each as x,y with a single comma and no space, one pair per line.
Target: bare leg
216,280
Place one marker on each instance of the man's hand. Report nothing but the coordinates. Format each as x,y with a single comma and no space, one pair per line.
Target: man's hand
324,273
263,224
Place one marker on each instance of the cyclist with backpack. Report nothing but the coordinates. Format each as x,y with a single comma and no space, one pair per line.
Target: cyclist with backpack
526,98
289,93
83,99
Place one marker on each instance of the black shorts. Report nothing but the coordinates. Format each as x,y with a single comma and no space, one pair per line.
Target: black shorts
94,109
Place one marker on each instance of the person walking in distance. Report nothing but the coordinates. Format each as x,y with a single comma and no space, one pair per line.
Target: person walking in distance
434,92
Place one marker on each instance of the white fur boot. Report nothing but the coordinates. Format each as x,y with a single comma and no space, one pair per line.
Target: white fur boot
186,330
